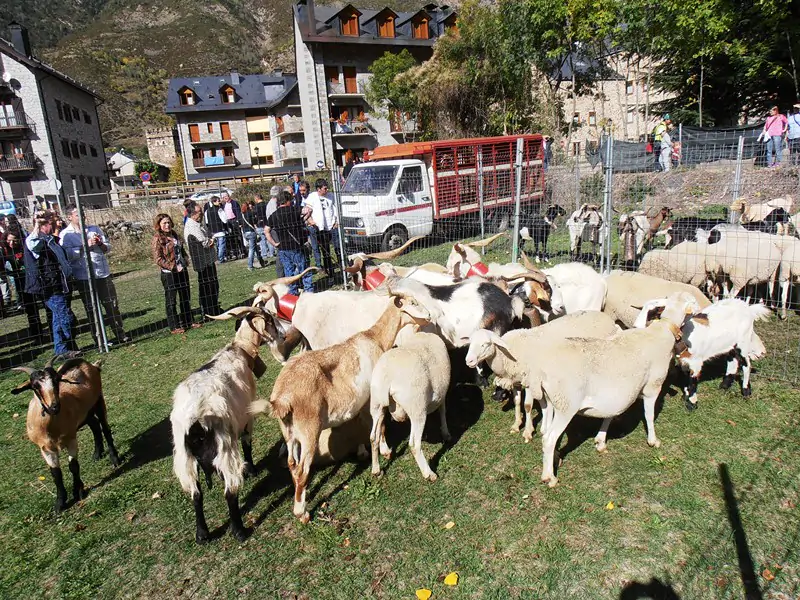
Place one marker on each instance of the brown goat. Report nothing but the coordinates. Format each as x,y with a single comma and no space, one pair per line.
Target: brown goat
326,388
65,400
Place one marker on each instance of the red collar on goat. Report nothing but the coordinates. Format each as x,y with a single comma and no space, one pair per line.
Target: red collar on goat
478,270
286,306
374,280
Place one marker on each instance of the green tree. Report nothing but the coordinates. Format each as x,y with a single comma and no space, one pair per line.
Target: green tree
721,59
390,94
145,164
177,173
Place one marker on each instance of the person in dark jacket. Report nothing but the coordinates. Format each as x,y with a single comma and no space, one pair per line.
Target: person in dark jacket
216,220
169,253
47,271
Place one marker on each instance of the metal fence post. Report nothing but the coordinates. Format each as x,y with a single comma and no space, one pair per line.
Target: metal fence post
479,167
605,254
518,167
97,313
337,200
577,182
733,217
680,143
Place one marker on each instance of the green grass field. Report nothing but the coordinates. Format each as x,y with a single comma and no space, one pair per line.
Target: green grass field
634,518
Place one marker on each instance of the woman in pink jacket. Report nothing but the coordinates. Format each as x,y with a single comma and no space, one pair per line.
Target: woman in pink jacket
774,129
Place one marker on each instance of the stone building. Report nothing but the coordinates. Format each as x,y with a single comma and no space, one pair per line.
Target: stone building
49,130
162,145
237,126
334,48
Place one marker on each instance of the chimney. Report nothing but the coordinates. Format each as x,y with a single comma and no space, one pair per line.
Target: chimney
19,38
235,77
312,17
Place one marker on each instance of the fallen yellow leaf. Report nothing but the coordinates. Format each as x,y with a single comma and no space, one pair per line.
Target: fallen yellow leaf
451,579
610,506
449,525
767,574
41,477
424,594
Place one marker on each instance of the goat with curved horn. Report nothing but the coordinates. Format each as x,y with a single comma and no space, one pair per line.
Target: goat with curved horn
358,264
485,242
258,287
27,370
237,312
526,262
533,275
392,254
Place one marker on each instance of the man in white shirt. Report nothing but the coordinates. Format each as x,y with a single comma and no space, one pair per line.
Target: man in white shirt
793,135
320,212
72,242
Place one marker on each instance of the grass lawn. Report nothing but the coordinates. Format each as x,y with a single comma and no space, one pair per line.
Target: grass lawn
625,520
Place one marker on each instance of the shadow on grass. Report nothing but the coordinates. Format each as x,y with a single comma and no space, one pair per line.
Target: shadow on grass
747,569
149,446
654,590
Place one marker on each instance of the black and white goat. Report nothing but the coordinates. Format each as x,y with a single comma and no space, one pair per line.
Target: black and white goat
211,410
537,228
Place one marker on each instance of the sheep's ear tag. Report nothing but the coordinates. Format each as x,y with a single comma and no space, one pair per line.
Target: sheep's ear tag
259,367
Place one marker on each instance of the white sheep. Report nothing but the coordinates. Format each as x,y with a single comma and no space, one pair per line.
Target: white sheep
211,410
603,378
410,381
628,291
523,345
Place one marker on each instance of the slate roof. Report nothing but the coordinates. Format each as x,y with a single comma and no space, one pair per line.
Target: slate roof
252,91
327,26
8,49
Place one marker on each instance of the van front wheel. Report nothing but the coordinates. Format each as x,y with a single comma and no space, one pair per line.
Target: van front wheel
393,239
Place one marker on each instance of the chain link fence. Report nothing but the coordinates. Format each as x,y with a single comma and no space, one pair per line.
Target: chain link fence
614,207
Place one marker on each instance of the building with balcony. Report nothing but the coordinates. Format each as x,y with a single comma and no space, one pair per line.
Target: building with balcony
237,126
49,130
334,48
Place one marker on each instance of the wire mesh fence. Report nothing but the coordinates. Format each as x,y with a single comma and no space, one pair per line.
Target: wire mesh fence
716,219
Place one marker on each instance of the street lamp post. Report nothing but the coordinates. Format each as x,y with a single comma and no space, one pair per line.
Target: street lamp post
260,172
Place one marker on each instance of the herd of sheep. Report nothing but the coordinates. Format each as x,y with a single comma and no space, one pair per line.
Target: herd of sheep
402,339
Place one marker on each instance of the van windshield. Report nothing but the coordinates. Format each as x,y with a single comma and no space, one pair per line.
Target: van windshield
373,180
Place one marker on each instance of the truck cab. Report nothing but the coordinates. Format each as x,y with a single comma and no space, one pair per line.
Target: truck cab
385,203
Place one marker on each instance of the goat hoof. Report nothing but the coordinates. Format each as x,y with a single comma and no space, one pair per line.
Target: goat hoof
60,506
305,518
97,455
726,382
527,437
249,470
241,535
499,395
553,482
690,406
432,477
80,494
601,447
114,458
377,474
655,444
747,392
387,455
201,536
516,427
447,438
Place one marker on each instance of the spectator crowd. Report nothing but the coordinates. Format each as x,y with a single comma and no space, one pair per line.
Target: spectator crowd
55,263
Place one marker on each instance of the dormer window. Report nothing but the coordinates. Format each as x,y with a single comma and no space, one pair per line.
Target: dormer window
227,94
188,97
386,26
349,22
419,28
450,25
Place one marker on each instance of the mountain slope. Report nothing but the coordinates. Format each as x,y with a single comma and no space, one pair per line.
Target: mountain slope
128,49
